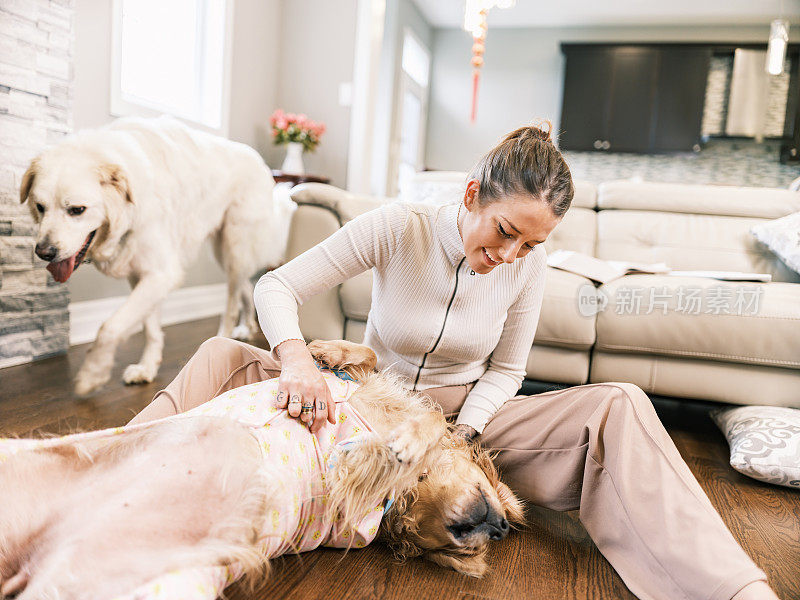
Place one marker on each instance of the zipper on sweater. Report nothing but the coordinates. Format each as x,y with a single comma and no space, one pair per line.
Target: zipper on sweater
441,333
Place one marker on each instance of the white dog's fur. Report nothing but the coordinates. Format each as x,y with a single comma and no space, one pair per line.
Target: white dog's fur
153,191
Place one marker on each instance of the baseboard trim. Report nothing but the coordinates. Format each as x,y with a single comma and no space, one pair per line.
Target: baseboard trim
185,304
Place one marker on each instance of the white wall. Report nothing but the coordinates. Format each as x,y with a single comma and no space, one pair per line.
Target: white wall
522,80
400,14
316,55
256,47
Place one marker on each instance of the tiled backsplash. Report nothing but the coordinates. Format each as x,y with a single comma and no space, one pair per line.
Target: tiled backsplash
722,162
718,88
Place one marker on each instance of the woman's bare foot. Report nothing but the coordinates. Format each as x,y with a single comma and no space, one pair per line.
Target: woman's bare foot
758,590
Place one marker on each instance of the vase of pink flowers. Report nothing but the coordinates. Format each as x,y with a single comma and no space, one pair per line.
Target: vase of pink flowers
299,133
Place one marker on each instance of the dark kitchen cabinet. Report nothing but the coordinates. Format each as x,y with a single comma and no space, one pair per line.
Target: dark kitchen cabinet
633,98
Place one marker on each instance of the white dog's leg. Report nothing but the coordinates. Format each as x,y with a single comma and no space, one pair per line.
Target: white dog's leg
144,298
145,370
248,325
232,306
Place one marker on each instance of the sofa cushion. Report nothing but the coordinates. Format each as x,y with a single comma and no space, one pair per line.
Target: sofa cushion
561,323
356,296
561,365
764,442
782,236
577,231
585,195
687,242
699,378
738,322
764,203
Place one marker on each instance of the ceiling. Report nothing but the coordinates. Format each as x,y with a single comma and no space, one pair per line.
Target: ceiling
560,13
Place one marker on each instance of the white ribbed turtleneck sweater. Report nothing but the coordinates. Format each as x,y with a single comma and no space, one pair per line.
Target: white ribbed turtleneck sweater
432,320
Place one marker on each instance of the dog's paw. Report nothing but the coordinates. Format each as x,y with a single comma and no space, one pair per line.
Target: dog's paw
242,333
87,381
408,447
139,373
338,354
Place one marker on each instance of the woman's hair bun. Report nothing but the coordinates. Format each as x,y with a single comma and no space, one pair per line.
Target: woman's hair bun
532,132
526,161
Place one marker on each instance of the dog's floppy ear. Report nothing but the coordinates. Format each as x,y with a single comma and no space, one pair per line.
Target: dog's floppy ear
27,180
115,176
515,509
472,565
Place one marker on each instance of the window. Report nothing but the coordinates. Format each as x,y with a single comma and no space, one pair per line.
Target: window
416,59
408,144
171,57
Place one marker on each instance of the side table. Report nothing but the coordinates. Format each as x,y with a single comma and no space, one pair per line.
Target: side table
281,177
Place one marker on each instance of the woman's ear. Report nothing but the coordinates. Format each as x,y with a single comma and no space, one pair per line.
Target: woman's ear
471,194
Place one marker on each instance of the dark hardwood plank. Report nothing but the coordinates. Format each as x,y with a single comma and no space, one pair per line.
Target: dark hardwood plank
553,557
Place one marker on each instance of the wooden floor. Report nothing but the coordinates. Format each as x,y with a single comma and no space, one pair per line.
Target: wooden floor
552,558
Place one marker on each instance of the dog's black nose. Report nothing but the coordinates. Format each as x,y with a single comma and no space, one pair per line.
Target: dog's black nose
45,252
498,528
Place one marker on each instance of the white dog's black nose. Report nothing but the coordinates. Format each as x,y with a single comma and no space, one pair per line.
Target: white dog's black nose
45,252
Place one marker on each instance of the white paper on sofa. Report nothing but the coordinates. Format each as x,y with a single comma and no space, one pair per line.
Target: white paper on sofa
599,270
725,275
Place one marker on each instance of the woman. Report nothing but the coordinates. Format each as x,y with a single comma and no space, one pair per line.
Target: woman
456,298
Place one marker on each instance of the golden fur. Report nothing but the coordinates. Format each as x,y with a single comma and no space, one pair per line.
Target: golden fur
167,495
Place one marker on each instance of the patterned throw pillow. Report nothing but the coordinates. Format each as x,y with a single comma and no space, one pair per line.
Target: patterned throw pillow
764,441
782,236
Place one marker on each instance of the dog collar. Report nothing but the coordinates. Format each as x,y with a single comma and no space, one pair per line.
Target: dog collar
340,374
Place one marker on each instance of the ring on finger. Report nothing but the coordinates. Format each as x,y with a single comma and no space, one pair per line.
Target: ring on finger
307,409
294,399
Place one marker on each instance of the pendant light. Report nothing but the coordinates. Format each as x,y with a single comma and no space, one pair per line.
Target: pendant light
776,49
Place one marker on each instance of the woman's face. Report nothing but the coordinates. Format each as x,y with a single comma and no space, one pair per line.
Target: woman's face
504,230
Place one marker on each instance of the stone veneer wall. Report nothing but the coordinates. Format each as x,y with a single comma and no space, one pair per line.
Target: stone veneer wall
36,49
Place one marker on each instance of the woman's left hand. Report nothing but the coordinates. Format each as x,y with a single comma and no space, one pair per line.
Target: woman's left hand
465,431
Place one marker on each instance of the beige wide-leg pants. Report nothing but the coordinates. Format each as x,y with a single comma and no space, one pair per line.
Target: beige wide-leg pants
599,448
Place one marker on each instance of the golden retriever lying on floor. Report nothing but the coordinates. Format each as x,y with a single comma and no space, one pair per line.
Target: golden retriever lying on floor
189,503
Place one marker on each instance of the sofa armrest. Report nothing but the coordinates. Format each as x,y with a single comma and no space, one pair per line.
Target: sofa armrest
342,204
320,317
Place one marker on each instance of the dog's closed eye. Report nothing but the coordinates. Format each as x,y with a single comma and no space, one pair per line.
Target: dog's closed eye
74,211
40,208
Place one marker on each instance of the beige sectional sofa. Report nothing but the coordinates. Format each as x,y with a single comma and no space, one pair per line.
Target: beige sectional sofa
685,337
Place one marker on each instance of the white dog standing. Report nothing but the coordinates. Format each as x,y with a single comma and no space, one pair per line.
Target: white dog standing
138,198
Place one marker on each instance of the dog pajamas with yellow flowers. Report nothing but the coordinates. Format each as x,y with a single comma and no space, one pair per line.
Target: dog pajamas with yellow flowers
297,460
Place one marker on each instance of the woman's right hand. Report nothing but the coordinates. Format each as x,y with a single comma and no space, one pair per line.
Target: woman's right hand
301,387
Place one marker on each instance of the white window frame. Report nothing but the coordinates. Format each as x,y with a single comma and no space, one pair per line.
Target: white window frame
119,107
407,83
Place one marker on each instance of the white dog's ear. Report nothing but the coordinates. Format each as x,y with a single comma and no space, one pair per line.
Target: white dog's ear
27,180
113,175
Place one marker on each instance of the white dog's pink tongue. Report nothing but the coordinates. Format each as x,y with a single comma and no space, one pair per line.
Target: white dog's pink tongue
62,269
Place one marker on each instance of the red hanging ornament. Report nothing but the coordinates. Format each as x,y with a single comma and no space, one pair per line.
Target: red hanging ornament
478,50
